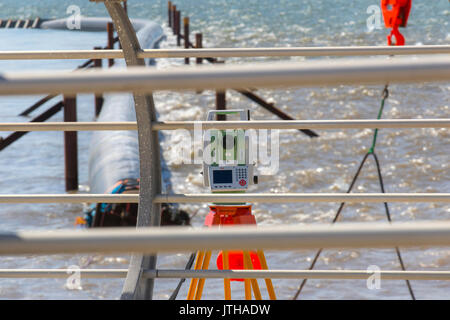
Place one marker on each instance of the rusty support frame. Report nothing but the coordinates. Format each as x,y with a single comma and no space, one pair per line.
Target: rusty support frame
186,36
98,97
70,145
110,38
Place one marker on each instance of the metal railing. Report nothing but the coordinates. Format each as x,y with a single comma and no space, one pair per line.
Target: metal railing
69,198
228,198
255,124
229,52
314,73
220,274
153,240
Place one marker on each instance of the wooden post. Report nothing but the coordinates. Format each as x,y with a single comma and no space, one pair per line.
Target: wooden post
186,36
169,13
98,98
70,145
110,31
221,100
174,19
199,45
221,104
178,27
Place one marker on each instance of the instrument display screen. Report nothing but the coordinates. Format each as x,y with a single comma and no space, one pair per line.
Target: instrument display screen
222,176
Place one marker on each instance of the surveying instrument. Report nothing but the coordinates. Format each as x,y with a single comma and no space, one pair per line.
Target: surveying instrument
228,168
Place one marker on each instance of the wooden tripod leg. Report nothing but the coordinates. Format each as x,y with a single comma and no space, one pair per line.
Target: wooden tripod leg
249,265
226,282
269,285
248,289
201,282
194,281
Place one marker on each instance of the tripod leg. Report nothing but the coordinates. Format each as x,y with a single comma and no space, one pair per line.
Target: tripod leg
249,265
226,282
269,284
194,281
201,282
247,284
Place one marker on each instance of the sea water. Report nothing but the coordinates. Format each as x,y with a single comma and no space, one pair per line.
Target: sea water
412,160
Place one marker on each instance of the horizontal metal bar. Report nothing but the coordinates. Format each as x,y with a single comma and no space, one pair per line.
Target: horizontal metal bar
69,198
274,75
68,126
304,124
179,239
228,198
63,273
299,274
205,125
295,51
303,197
61,54
229,52
232,274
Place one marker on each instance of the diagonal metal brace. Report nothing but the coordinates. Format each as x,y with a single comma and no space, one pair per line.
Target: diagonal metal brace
149,213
